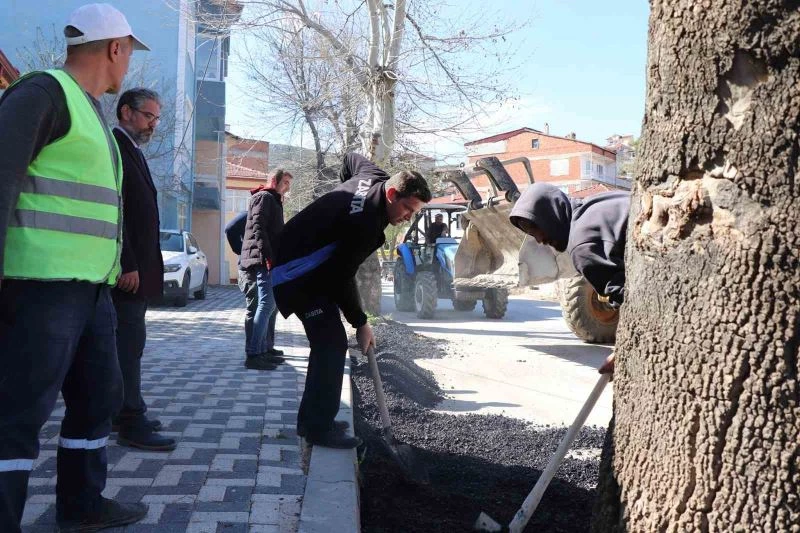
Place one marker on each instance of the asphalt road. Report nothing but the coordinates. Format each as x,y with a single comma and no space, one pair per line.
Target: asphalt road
528,365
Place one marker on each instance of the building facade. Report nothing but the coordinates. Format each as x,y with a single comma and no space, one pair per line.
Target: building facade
212,45
8,73
31,36
566,162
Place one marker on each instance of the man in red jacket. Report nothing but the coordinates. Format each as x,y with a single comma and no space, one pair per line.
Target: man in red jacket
261,234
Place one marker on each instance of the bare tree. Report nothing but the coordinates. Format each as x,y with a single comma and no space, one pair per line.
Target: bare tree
391,72
706,394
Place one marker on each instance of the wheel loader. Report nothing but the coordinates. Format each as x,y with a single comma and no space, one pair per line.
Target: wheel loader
494,255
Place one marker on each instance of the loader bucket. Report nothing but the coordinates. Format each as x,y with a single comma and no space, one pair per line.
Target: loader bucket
488,252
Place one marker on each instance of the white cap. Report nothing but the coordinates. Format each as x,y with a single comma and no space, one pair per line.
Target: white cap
101,21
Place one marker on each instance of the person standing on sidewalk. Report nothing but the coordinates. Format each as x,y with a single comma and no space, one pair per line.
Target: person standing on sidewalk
60,240
142,279
261,238
320,252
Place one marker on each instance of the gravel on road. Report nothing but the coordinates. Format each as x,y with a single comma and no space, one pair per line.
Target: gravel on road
475,462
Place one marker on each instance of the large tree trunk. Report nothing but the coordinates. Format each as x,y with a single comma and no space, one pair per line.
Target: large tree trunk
707,401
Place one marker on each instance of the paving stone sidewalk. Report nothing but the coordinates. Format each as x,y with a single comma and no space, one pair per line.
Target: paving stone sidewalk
237,464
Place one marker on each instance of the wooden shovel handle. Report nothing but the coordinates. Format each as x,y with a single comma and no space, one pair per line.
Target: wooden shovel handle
376,378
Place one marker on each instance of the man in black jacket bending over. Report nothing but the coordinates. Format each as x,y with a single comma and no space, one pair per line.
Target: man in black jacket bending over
261,233
591,230
320,252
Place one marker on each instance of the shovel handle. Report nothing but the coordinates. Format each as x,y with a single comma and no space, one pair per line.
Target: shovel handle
535,496
379,396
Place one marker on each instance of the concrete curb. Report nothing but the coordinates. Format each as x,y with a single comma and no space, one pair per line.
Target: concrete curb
331,499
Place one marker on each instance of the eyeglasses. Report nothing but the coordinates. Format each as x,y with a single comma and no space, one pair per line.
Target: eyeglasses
151,118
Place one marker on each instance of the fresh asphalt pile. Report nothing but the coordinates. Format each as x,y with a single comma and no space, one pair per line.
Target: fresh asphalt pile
475,462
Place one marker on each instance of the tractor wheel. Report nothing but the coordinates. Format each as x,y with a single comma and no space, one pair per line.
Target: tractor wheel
590,319
495,303
403,288
426,293
464,305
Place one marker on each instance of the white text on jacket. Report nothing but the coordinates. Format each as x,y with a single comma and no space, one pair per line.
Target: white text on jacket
357,203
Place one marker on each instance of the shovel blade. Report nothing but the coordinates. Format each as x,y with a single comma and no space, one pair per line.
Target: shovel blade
486,523
412,467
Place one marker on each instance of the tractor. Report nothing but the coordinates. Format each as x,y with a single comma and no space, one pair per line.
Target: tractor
424,271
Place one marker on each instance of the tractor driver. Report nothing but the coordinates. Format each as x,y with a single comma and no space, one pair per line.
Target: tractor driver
437,229
591,230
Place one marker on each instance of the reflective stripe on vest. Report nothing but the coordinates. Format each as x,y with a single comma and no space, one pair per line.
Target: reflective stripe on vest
53,221
70,189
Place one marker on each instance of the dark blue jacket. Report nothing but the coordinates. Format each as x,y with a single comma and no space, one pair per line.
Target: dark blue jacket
349,222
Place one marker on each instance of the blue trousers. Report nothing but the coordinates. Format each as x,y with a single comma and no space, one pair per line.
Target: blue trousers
260,330
56,336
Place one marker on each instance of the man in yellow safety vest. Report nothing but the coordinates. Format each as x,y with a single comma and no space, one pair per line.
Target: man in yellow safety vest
60,241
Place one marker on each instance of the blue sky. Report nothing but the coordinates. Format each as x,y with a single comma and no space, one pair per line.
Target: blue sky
583,71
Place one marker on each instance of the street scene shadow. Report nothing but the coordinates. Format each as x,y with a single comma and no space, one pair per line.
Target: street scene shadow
592,355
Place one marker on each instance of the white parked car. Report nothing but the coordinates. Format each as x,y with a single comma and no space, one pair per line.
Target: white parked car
185,267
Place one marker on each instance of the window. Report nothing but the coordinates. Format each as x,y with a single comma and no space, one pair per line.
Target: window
559,167
587,167
535,144
236,200
599,170
207,57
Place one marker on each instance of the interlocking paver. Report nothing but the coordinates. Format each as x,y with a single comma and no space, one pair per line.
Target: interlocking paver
237,464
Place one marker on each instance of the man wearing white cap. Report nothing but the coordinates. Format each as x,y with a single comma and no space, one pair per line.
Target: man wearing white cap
60,241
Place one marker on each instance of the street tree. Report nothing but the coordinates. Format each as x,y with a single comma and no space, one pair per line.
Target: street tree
707,397
404,71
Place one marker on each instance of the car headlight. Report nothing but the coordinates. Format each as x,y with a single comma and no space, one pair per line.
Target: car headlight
172,267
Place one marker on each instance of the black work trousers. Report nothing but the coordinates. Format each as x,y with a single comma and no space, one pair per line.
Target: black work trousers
131,337
56,336
328,342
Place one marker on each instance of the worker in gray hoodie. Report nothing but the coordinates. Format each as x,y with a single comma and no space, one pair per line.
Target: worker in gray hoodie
591,230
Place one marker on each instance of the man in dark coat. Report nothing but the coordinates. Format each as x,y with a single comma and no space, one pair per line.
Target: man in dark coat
142,278
260,241
320,252
592,231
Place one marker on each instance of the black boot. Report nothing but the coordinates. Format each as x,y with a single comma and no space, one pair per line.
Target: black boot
275,351
141,435
338,425
108,513
260,362
155,424
334,439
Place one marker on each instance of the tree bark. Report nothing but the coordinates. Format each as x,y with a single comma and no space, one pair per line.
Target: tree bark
707,405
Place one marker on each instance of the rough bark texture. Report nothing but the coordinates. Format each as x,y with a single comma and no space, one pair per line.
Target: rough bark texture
369,284
707,409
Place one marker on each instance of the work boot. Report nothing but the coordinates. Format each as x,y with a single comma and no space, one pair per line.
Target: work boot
338,425
260,362
334,439
274,351
141,435
155,424
108,513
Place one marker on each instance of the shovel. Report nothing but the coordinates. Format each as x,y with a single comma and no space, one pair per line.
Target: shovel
402,453
486,523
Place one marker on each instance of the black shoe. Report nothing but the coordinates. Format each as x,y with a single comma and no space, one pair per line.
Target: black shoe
260,362
334,439
274,351
154,424
143,437
338,425
109,513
